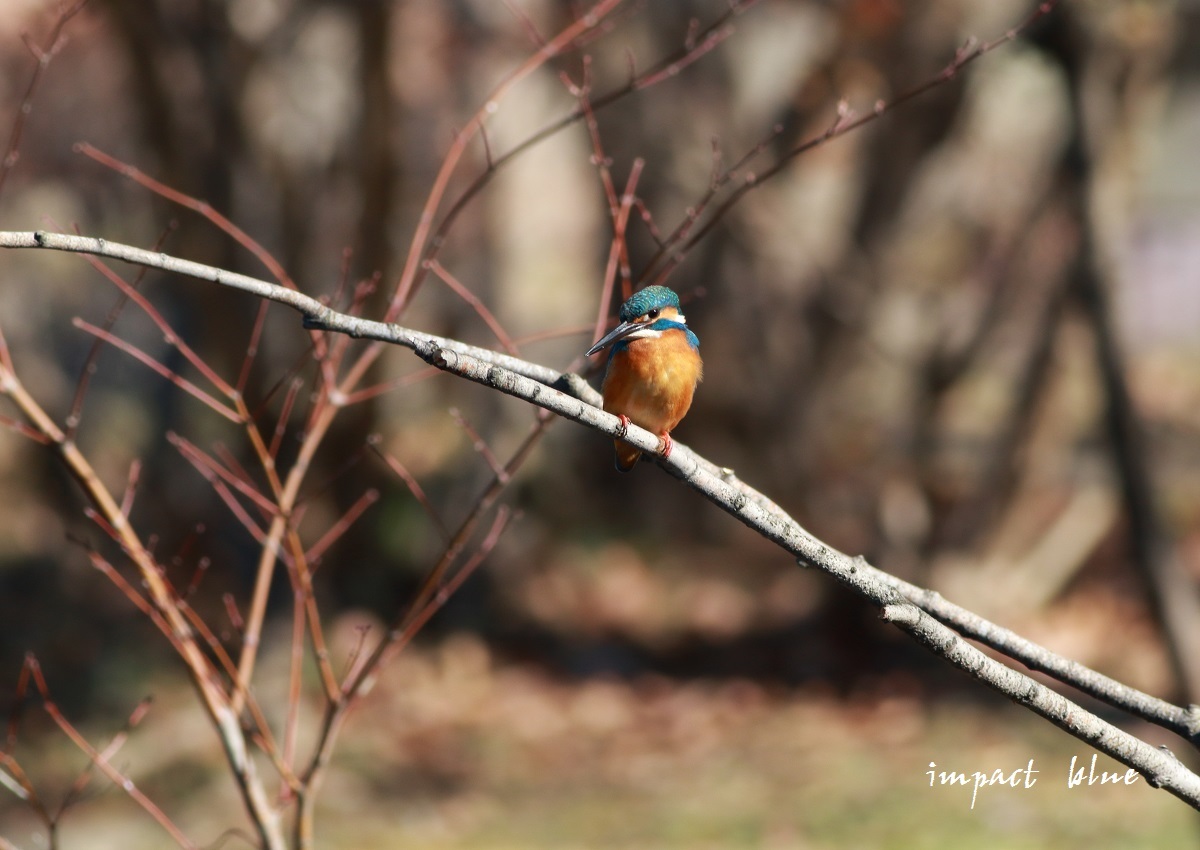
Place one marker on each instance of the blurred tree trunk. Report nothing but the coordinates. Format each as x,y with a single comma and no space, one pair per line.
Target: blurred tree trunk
1173,596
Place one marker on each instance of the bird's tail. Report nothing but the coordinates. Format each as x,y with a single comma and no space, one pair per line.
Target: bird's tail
626,456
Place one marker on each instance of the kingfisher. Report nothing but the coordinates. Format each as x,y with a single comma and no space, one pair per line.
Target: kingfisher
653,368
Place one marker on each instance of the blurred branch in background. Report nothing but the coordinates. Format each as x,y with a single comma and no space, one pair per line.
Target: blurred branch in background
908,338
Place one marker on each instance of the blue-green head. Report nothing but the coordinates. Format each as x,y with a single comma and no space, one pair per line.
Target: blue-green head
647,314
646,301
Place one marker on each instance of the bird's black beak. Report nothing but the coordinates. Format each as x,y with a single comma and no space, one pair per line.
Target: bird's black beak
622,330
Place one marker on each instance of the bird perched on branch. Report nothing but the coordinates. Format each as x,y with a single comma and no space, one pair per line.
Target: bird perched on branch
653,368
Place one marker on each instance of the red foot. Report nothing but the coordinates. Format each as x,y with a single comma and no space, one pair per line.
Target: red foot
665,449
624,423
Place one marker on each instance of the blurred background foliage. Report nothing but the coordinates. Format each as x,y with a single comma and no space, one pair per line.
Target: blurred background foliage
910,339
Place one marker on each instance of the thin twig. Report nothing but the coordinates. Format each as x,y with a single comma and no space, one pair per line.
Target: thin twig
683,239
342,525
636,82
42,56
417,256
212,470
477,442
174,377
204,208
131,486
489,318
411,483
89,365
101,762
81,782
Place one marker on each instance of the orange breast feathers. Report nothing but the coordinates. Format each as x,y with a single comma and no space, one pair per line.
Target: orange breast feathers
652,381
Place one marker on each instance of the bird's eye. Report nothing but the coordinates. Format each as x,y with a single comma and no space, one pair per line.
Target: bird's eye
652,315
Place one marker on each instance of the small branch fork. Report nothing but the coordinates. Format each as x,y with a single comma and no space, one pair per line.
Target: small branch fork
13,776
934,622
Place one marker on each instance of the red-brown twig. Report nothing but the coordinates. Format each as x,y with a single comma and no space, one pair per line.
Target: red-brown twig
204,208
531,30
478,306
81,782
680,242
291,725
20,694
360,675
13,775
720,178
500,480
133,595
384,387
618,207
42,57
175,378
131,486
89,365
480,445
417,257
15,779
172,338
198,574
24,430
285,413
212,470
695,50
341,526
260,319
100,760
286,378
236,621
363,290
452,584
554,333
411,483
697,39
618,254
